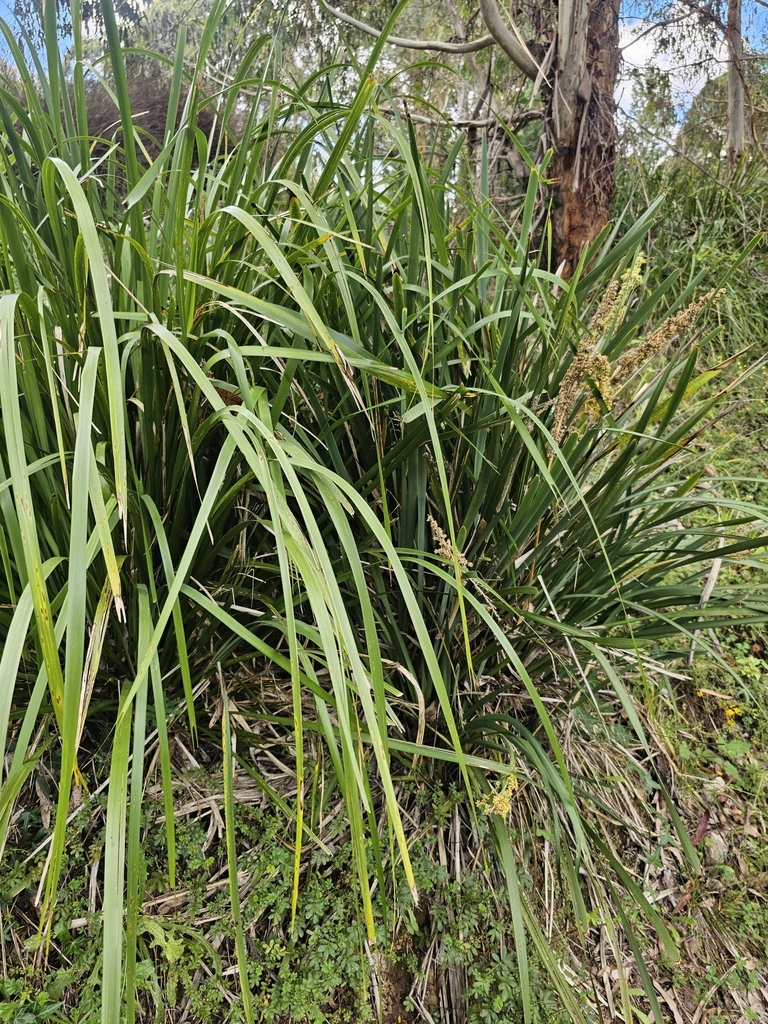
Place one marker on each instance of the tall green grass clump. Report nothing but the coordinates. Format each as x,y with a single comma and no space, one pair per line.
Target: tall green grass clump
294,397
712,212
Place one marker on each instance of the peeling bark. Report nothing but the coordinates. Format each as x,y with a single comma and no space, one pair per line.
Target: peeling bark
585,140
580,114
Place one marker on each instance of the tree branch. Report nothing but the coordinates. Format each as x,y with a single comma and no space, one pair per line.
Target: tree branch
652,28
515,123
514,47
682,154
706,13
471,46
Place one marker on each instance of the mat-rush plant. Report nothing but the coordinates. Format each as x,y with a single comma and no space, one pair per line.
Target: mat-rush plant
295,398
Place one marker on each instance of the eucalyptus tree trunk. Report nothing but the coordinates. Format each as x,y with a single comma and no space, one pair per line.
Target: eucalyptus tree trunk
582,123
736,132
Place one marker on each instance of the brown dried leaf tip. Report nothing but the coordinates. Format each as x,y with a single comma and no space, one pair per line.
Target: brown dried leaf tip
443,546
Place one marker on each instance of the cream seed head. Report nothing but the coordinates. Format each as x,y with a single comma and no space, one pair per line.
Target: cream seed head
443,546
635,273
599,371
589,365
614,302
678,324
572,384
606,309
499,801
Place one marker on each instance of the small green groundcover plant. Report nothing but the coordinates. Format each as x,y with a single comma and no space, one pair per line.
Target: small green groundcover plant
315,970
301,399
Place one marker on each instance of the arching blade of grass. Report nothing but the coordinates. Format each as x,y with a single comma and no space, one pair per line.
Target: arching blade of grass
15,641
106,316
74,654
50,380
509,868
31,569
158,698
123,98
113,973
101,515
178,622
93,655
134,852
